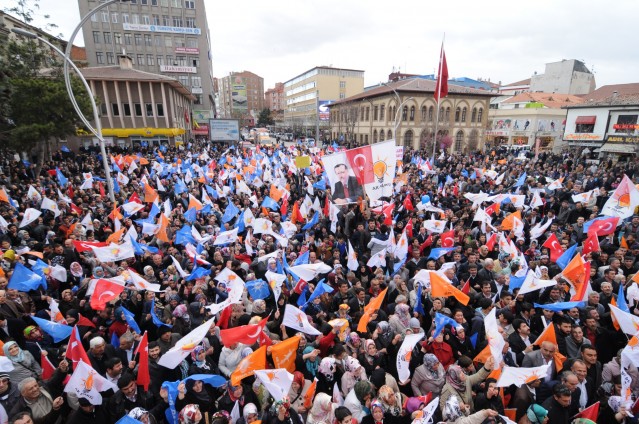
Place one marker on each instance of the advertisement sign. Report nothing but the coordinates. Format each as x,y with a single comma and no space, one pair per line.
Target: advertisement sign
238,94
369,169
161,28
583,136
178,69
202,115
224,129
622,139
323,111
187,50
197,90
400,153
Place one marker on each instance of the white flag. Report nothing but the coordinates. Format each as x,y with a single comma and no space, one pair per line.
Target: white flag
378,259
278,381
87,221
623,201
296,319
159,185
275,281
3,223
140,283
226,237
185,345
58,272
538,230
427,412
122,179
33,194
532,283
86,383
49,204
309,271
234,286
352,263
261,225
403,355
30,215
435,226
536,201
519,376
178,267
132,167
628,323
132,208
495,339
114,252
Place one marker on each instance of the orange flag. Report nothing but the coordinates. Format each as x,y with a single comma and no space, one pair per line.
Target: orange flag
575,272
310,394
194,203
115,214
247,366
296,215
275,193
483,356
496,373
559,360
164,223
442,288
369,309
284,353
507,223
624,243
548,335
635,277
614,320
115,237
144,161
149,193
3,196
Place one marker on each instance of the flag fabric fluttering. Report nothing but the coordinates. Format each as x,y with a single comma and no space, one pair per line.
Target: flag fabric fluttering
441,87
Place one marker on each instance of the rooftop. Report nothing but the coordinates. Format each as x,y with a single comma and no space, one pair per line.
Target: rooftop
549,100
518,83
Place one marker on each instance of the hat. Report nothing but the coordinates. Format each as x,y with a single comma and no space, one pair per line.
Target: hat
271,260
536,413
414,323
96,341
344,307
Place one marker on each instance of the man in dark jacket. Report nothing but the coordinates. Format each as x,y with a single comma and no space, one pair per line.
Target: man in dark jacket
558,405
131,396
88,413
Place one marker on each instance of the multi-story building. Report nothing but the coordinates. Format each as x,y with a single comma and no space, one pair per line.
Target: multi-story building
406,111
138,108
567,76
275,102
241,96
308,94
523,119
166,37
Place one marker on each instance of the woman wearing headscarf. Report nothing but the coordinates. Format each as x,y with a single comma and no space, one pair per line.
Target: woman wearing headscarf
197,393
371,358
239,394
230,358
489,398
24,366
181,320
67,302
429,377
326,375
141,415
438,347
197,313
354,345
250,414
311,362
400,321
383,335
613,411
282,413
392,402
190,414
201,363
460,385
353,372
297,391
322,411
377,415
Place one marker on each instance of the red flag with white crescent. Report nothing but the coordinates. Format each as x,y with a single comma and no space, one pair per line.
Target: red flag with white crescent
245,334
105,291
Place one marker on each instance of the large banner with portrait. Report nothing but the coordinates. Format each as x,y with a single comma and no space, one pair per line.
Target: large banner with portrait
355,173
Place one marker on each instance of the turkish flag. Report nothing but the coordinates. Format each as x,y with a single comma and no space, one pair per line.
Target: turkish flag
135,198
85,246
466,288
590,413
493,209
490,243
555,248
428,242
409,228
300,286
245,334
144,377
84,321
604,227
441,88
75,209
104,292
225,316
101,188
408,204
388,213
47,367
75,351
448,238
591,244
361,161
284,207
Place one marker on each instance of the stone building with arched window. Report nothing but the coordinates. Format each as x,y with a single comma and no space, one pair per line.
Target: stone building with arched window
406,111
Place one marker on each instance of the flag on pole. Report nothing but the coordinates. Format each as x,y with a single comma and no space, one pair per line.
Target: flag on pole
297,320
75,350
369,309
441,87
250,363
284,353
86,383
278,382
185,345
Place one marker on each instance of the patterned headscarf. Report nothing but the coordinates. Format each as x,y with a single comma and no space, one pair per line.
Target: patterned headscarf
430,361
137,413
328,368
181,311
453,377
402,311
285,402
188,414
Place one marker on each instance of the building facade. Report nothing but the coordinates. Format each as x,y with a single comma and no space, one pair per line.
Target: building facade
406,111
523,119
308,94
138,108
567,76
166,37
241,97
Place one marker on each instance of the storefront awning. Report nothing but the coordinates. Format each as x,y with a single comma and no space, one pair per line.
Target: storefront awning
619,148
142,132
586,120
200,130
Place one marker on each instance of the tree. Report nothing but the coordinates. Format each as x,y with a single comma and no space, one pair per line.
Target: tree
264,118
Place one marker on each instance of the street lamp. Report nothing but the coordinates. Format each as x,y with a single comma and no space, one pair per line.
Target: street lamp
399,108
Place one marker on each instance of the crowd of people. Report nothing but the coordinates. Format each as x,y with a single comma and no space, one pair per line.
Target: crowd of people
348,372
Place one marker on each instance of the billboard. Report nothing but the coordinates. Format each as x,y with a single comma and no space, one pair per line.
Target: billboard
161,28
323,111
224,130
238,94
202,115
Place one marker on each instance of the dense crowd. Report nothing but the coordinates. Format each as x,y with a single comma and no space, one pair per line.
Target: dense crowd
356,317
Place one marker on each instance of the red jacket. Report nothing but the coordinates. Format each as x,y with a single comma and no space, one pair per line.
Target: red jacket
443,352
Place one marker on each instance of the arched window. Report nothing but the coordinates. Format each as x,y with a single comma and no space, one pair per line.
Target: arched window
382,109
473,141
391,113
431,111
480,114
441,114
408,139
473,115
447,117
381,135
457,112
424,111
463,117
459,139
389,135
375,136
412,113
404,113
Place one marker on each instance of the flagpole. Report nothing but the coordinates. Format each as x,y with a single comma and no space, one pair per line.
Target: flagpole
438,87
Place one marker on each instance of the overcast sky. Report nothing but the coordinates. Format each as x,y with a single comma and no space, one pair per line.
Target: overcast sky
498,40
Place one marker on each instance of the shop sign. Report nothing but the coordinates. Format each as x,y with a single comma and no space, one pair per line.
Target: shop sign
187,50
178,69
582,136
622,139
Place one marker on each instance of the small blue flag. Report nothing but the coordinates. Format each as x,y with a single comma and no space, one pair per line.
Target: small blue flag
473,340
115,340
59,332
441,321
521,180
184,236
156,320
302,259
516,282
130,319
180,187
312,222
211,379
199,272
258,289
25,280
438,252
191,215
61,178
419,308
320,185
230,212
65,149
270,203
320,289
561,306
128,420
621,300
565,257
301,301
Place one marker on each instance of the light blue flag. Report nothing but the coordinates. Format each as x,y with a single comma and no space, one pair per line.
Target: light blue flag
25,280
398,266
438,252
473,340
115,340
419,308
621,300
565,257
516,282
320,289
190,215
561,306
270,204
137,248
310,224
116,186
230,212
59,332
301,301
130,319
127,420
441,321
61,178
199,272
155,210
156,320
320,185
302,259
258,289
521,180
42,269
211,379
180,187
171,413
184,236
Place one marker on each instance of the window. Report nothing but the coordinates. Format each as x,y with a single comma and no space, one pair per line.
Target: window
114,18
127,109
361,118
424,113
135,18
96,37
457,113
431,112
473,115
169,60
94,17
168,41
389,135
181,60
381,135
412,113
155,19
107,38
154,2
463,117
381,116
459,139
177,21
157,40
138,109
375,136
179,42
164,3
190,22
480,114
149,109
184,80
447,117
160,59
150,60
342,84
105,16
198,99
109,58
115,109
375,115
138,39
146,20
196,81
191,42
127,39
408,139
176,3
117,37
342,95
626,124
404,113
366,139
125,18
166,20
147,40
195,62
159,108
99,56
441,114
368,111
103,109
140,59
189,4
144,2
